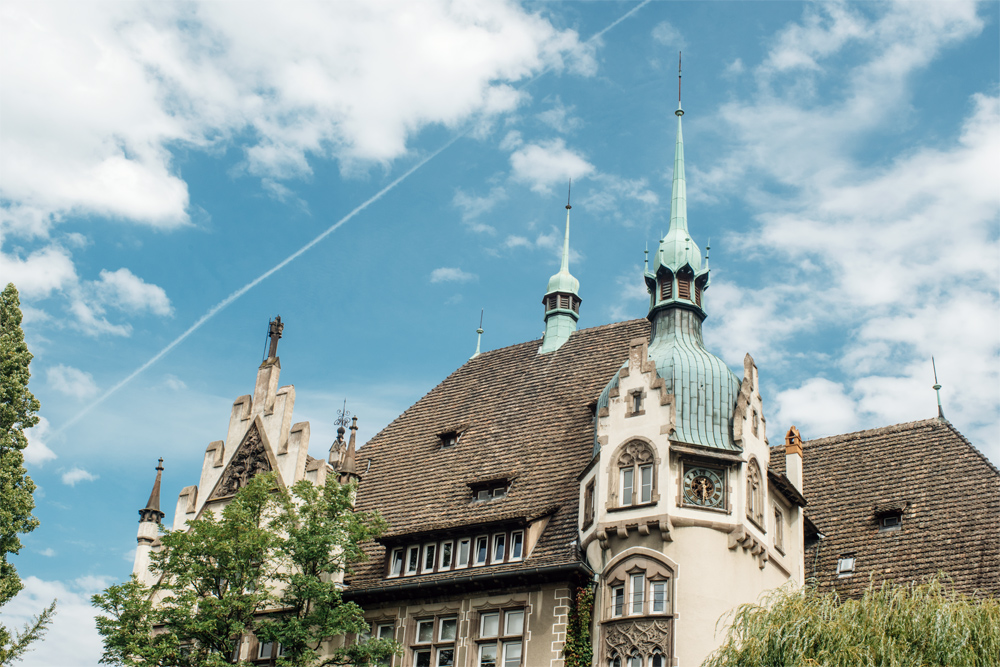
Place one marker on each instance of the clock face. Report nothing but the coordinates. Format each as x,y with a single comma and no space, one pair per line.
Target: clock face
703,486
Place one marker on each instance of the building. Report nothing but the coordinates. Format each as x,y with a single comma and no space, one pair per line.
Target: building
626,460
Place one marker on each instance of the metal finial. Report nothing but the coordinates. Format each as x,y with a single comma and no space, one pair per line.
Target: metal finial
569,191
159,466
679,112
645,258
937,389
479,333
342,415
708,246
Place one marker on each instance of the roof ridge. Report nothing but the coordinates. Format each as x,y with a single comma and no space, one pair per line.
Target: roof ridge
892,428
971,446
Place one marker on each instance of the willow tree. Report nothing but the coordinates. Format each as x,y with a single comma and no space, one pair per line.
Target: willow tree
889,625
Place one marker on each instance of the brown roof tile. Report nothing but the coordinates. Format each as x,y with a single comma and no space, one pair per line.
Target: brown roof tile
525,416
948,491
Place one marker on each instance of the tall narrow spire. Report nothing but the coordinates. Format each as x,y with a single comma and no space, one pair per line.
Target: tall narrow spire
937,389
562,299
349,469
479,334
151,513
678,197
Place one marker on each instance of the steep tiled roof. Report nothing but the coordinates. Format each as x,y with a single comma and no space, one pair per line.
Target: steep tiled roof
521,415
949,494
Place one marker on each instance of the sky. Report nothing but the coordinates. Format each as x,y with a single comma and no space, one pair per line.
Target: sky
172,175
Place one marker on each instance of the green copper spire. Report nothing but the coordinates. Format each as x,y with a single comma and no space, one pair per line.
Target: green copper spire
561,300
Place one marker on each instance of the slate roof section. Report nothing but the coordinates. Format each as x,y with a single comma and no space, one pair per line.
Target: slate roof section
521,413
948,491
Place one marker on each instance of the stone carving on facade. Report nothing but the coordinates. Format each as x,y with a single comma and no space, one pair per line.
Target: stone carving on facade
644,637
635,453
249,460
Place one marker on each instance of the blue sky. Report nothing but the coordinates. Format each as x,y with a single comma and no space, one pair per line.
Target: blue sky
156,159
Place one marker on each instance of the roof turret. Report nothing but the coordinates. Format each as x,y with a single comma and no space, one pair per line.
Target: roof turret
151,513
561,301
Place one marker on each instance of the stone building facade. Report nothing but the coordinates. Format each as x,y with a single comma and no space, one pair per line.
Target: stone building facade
626,460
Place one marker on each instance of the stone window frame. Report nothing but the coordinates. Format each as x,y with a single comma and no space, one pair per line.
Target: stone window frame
614,475
436,644
633,395
755,495
502,638
657,567
589,503
778,534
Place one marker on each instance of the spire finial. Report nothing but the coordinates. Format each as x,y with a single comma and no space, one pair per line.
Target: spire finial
479,333
564,267
937,389
679,112
645,258
274,329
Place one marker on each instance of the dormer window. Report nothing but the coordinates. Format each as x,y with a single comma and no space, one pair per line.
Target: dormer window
845,566
635,403
890,521
449,439
485,491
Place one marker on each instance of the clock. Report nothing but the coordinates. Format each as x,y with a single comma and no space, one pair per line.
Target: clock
703,487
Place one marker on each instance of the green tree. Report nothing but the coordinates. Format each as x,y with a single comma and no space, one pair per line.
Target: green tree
17,412
891,625
270,549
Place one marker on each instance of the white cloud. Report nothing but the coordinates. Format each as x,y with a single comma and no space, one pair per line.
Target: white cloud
48,552
97,95
126,291
668,35
37,452
560,117
890,261
450,274
633,299
734,68
72,639
71,381
173,382
626,201
75,475
474,207
40,273
547,163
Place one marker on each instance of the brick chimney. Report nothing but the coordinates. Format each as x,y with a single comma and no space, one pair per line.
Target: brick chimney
793,457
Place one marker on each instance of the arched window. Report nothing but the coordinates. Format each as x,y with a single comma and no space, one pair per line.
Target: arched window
639,586
755,494
614,661
657,660
637,475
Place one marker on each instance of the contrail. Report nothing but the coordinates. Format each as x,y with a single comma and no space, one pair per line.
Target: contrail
295,255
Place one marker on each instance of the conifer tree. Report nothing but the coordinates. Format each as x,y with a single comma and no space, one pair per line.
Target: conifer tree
17,412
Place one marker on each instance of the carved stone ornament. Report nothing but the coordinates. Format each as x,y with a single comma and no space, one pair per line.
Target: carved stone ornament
635,452
249,460
639,636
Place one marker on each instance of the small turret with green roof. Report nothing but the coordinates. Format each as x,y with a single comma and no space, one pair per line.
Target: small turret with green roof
561,301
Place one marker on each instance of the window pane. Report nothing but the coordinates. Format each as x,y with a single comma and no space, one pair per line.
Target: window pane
512,654
483,494
412,559
490,625
463,553
627,487
659,589
422,659
446,555
514,623
499,547
634,661
481,547
617,600
616,662
488,655
429,551
448,626
446,657
425,631
638,586
647,484
265,650
516,544
657,661
385,631
397,563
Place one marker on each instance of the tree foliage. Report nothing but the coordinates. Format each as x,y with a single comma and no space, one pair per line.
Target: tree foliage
263,566
578,651
889,625
17,412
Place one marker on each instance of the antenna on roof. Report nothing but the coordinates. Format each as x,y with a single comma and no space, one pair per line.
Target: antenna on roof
937,389
479,331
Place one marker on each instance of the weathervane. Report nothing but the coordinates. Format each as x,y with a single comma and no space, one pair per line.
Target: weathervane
342,415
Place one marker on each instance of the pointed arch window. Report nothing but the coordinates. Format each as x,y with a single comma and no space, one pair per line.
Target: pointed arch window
637,475
755,494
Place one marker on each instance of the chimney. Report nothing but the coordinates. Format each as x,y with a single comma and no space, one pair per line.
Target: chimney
793,457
